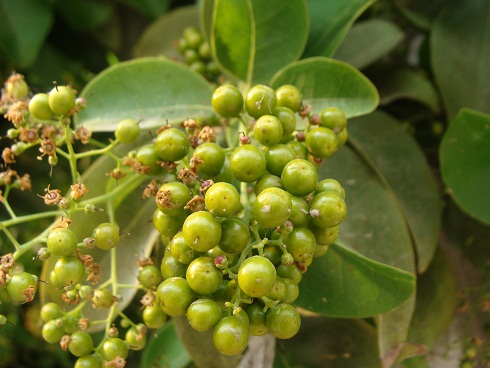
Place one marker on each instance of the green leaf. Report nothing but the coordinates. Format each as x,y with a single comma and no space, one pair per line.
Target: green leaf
401,168
165,350
330,22
420,12
24,26
436,302
89,13
248,37
153,90
329,343
368,41
401,83
465,163
132,246
460,51
160,37
152,9
326,82
393,332
343,283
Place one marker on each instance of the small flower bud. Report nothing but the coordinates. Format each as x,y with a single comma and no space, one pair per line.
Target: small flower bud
43,253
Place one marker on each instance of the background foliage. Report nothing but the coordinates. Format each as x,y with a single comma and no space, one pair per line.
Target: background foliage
413,78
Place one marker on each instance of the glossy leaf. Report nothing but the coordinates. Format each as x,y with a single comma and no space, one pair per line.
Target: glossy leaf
137,243
343,283
248,36
153,90
24,26
330,21
461,55
401,83
465,157
160,37
326,82
329,343
90,13
401,168
165,350
368,41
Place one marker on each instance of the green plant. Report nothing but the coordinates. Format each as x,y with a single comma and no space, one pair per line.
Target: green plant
227,193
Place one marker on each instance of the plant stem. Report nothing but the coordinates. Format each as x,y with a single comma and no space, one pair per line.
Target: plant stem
35,216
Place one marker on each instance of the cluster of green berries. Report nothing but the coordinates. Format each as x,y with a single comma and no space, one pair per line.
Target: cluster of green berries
196,52
243,224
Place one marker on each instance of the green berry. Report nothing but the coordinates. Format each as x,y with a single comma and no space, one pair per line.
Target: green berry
39,107
256,276
227,101
203,314
222,199
174,296
106,235
261,100
172,145
230,336
289,96
114,347
62,242
81,343
154,317
333,118
268,130
203,276
202,231
61,100
127,131
69,271
283,321
22,286
212,158
247,163
327,209
272,207
235,236
299,177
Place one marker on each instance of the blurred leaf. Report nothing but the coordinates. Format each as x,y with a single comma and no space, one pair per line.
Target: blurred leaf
330,21
153,90
395,84
152,9
138,243
160,37
89,13
436,301
329,343
368,41
465,162
24,26
461,55
165,350
343,283
248,37
327,82
401,167
420,12
206,10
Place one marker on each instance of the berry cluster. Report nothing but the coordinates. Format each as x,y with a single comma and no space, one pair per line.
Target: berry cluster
241,222
244,223
196,53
